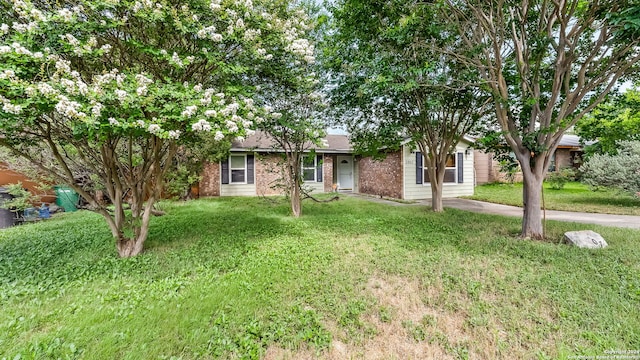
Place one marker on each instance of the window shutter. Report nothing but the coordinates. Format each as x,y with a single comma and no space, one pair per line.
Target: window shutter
419,167
225,171
250,169
460,168
319,168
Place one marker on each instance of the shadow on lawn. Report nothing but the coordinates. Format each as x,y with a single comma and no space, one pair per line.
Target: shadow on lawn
80,247
619,202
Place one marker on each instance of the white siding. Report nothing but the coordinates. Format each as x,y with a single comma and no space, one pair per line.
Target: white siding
356,175
315,187
413,191
238,190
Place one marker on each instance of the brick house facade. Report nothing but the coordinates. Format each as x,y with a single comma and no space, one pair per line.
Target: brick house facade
254,167
382,177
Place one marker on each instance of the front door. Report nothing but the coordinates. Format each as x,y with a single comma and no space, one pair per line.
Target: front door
345,172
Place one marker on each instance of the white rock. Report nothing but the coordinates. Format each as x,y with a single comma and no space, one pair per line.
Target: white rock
585,239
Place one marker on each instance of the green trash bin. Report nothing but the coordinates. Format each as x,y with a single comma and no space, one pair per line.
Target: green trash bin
66,198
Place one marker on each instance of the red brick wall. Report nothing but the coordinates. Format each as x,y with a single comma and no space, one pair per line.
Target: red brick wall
327,172
382,178
268,173
563,159
210,183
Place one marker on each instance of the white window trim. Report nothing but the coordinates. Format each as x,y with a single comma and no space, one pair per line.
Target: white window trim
455,167
315,167
231,182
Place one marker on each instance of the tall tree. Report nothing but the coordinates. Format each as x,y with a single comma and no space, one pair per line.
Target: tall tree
395,87
546,64
113,87
615,120
296,127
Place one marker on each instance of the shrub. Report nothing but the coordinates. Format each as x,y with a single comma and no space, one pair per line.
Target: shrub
557,180
620,171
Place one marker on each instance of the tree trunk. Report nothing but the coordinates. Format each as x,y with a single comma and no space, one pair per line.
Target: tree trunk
436,196
531,198
296,202
129,247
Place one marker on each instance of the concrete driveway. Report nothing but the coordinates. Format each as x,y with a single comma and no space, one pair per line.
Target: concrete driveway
624,221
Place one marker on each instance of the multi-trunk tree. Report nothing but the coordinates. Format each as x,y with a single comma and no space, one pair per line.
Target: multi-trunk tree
112,88
392,86
546,64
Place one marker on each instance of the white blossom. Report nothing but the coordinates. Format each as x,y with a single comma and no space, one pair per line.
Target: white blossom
96,110
201,125
218,136
142,91
154,129
210,113
4,28
65,14
46,89
189,111
174,134
113,121
63,66
69,108
276,115
11,109
233,127
121,94
7,74
176,59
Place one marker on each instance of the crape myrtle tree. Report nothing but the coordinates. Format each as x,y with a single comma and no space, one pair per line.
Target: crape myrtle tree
547,63
295,123
391,86
294,119
113,88
617,119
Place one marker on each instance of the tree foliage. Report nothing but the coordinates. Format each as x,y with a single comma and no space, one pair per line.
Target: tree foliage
546,64
392,86
113,87
296,125
617,119
620,170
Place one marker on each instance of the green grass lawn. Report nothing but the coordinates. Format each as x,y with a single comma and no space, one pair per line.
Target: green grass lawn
238,278
574,197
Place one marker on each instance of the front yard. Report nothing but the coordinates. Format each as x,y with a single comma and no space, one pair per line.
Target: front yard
574,197
238,278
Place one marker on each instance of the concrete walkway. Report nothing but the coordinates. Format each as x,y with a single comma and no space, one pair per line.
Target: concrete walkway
623,221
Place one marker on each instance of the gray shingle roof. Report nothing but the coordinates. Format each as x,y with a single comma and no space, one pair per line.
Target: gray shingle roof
261,141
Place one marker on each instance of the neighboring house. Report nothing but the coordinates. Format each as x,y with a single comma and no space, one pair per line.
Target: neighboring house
253,169
567,155
9,176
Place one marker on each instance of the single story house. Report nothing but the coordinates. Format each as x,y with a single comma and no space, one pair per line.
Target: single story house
253,169
568,154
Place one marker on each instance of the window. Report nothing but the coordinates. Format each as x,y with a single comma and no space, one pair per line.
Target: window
238,169
450,172
309,168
